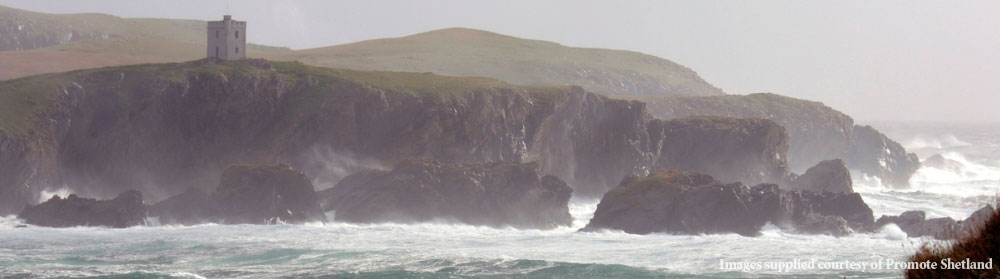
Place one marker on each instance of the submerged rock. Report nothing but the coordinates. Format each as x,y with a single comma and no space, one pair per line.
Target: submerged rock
830,176
915,224
496,194
125,210
687,202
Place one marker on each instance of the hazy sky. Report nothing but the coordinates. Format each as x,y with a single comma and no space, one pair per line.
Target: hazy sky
875,60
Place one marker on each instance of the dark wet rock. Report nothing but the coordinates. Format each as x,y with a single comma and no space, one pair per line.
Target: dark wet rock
915,224
876,154
496,194
191,207
125,210
266,194
830,176
247,194
686,202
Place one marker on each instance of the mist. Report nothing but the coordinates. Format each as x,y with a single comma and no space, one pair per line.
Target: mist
876,61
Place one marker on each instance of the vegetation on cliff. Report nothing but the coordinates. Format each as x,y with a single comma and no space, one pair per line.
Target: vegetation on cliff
981,244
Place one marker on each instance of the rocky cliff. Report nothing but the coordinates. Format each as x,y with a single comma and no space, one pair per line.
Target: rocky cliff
496,194
162,128
816,132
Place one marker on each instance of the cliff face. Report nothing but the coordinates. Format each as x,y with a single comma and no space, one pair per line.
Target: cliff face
816,132
163,128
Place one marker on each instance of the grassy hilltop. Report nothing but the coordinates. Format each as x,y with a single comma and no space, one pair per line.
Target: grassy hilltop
33,43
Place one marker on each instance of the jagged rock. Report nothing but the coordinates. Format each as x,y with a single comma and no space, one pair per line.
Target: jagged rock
191,207
876,154
830,176
691,203
849,206
496,194
125,210
980,216
915,225
266,194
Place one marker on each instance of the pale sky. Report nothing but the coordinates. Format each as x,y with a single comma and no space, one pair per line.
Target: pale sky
875,60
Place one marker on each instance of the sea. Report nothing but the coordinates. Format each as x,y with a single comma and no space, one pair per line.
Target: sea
969,179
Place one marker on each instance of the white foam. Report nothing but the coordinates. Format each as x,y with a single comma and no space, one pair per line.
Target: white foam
935,142
893,232
49,193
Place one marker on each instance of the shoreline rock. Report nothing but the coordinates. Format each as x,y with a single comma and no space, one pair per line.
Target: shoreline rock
830,175
686,202
125,210
247,194
496,194
915,224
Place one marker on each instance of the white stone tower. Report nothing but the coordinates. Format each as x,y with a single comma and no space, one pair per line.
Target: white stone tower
227,39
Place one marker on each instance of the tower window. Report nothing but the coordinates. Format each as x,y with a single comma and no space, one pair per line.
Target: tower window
216,33
237,50
216,51
237,34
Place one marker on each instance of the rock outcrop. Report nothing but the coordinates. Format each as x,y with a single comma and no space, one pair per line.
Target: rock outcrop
685,202
816,132
125,210
915,224
184,123
829,176
266,194
497,194
247,194
875,154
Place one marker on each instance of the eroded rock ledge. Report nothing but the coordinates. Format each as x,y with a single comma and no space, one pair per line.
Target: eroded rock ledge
685,202
496,194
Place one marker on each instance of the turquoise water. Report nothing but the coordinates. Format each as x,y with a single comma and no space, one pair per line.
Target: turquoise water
438,250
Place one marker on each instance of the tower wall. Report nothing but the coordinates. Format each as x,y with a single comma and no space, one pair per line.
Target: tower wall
226,39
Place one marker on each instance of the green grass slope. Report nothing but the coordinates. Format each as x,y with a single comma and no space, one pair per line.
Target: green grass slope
34,43
470,52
